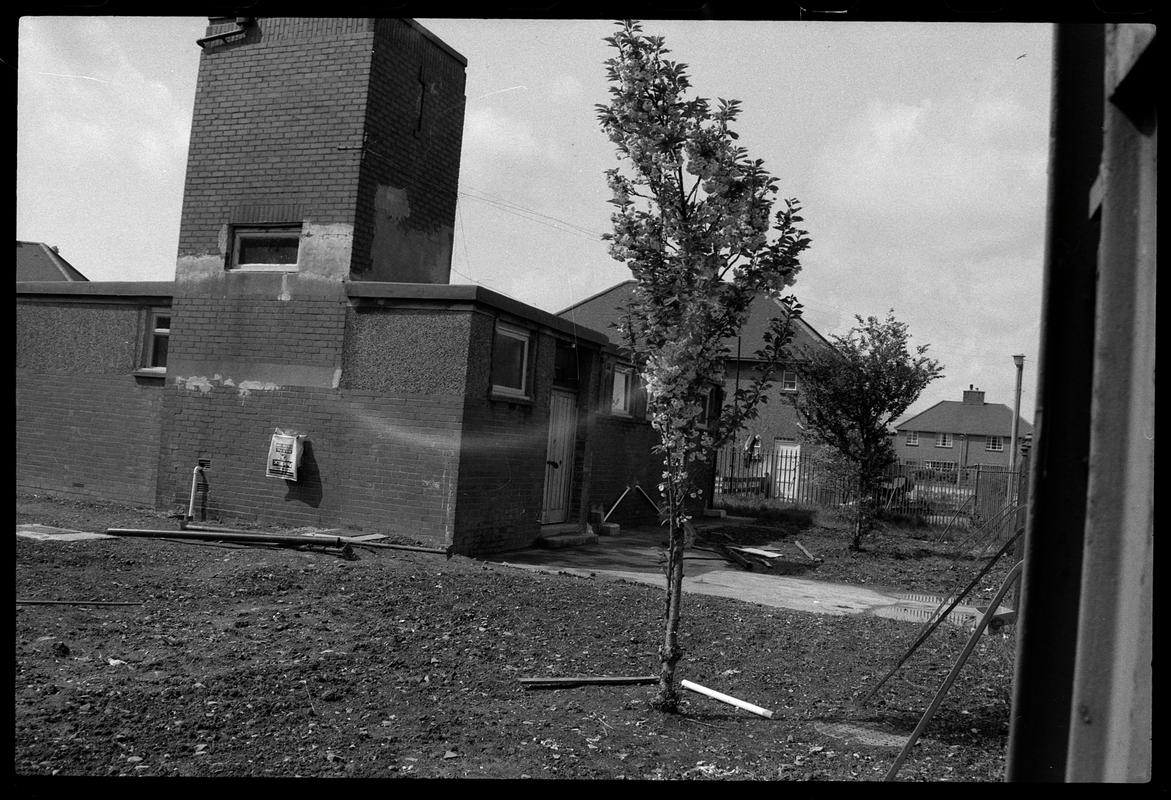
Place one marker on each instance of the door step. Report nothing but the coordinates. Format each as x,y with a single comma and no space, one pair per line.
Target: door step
565,535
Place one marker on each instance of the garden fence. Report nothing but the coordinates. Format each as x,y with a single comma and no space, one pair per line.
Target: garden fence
961,496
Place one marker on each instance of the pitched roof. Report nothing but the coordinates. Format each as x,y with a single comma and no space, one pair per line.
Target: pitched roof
954,416
36,261
602,311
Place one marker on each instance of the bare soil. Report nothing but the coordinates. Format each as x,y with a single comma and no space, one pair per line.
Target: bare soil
248,661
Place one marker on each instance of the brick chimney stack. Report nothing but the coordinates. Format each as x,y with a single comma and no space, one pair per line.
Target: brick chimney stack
973,396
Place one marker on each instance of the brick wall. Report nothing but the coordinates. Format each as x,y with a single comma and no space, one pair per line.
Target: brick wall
85,423
372,461
407,191
382,446
502,464
315,121
274,113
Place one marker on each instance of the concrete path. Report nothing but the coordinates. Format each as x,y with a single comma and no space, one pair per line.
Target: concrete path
637,555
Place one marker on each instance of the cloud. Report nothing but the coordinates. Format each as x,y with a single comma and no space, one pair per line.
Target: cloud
958,161
79,93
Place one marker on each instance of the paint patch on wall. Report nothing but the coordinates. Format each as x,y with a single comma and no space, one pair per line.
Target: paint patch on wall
248,387
195,383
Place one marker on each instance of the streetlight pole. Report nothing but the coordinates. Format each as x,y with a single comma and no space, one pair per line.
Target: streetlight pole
1019,360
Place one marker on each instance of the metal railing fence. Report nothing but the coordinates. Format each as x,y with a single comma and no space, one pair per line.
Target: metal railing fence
962,496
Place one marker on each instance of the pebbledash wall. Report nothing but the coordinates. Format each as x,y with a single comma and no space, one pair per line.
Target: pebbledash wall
342,137
88,419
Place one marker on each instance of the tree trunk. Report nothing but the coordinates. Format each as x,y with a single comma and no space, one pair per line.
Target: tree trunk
670,653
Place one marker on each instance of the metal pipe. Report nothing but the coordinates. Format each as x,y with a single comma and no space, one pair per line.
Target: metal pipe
1019,360
936,620
225,535
616,502
194,482
955,671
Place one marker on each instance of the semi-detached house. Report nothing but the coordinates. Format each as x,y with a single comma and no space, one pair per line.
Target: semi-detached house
953,435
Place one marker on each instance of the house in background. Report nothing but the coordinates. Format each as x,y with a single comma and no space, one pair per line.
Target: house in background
776,425
770,445
37,261
955,434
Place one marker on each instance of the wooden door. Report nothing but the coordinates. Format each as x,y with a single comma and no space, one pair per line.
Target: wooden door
559,457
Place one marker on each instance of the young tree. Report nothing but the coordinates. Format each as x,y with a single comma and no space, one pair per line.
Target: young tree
851,394
692,222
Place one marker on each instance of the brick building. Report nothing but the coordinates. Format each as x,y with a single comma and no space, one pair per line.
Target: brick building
311,300
776,426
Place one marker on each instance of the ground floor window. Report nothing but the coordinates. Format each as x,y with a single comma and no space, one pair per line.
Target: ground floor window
510,360
158,338
622,392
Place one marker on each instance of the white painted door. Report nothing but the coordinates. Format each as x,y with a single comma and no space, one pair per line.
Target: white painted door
786,456
559,457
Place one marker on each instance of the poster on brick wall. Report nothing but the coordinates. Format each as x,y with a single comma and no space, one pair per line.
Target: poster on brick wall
284,455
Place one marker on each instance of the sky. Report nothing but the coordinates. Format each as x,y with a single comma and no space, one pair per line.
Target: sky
918,152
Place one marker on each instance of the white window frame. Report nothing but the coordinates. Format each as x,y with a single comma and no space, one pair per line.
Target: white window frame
912,439
994,444
940,466
525,337
788,380
241,233
622,406
154,331
944,440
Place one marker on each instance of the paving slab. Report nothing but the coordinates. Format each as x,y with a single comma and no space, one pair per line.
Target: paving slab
49,533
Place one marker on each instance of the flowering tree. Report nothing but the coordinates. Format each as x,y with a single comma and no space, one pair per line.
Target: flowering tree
694,223
853,393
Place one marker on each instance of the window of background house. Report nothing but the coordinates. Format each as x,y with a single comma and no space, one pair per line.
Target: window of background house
265,247
158,337
912,439
622,393
994,444
510,361
788,381
942,466
710,412
943,440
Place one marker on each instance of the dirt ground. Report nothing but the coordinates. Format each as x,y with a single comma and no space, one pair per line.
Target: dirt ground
247,661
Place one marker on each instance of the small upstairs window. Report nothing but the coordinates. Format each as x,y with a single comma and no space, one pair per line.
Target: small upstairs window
943,440
788,381
271,248
912,439
994,444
